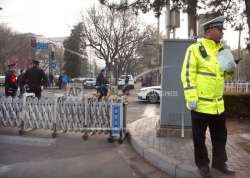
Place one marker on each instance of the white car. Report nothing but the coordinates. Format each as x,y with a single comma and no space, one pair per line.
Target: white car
150,94
90,83
2,80
121,81
79,79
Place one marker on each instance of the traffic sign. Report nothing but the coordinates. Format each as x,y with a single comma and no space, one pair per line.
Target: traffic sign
40,45
116,119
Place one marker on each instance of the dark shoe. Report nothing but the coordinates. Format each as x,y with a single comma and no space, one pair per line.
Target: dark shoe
205,172
224,169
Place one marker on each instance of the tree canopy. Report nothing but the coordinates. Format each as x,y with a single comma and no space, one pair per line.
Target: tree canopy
75,56
236,11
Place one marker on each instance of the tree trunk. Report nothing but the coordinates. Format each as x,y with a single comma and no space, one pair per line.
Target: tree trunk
247,2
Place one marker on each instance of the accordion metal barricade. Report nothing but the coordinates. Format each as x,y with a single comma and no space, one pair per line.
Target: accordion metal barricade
59,113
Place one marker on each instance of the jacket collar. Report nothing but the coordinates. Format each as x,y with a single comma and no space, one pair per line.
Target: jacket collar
211,44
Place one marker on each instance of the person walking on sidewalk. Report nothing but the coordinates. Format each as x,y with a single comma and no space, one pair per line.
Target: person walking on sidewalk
203,74
35,78
101,87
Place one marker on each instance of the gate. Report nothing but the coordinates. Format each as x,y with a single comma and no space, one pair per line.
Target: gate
59,113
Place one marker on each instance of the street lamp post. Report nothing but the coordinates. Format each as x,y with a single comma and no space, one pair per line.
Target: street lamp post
238,28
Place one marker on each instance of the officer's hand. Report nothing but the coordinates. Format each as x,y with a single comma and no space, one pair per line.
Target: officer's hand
192,105
26,87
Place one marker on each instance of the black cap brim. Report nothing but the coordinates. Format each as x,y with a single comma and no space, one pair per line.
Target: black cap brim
35,62
12,65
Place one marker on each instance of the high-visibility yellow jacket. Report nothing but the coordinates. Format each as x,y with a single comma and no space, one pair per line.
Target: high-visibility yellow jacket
202,78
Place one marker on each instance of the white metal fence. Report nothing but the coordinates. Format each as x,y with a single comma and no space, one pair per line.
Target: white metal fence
85,115
234,87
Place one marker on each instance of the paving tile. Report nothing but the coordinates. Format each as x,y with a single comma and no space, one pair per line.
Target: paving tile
166,152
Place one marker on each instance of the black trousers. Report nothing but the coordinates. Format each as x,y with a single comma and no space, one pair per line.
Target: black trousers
103,91
218,132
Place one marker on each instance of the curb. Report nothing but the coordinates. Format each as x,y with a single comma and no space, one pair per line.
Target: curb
171,166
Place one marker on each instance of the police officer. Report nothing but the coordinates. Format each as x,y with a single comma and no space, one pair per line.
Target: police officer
35,78
203,82
10,81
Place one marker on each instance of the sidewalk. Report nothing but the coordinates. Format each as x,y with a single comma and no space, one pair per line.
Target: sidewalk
174,155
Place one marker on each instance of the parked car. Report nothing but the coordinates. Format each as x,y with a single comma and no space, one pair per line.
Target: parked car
121,81
2,80
90,83
79,79
150,94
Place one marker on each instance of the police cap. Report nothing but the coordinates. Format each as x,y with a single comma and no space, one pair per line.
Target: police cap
216,22
11,64
35,61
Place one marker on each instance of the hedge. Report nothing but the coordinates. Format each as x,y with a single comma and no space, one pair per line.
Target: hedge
237,105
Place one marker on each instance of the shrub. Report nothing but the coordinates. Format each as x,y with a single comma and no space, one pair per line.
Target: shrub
237,105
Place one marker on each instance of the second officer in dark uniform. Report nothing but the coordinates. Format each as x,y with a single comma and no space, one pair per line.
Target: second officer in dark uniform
35,78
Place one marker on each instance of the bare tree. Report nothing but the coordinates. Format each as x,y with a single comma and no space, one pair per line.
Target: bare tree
115,35
11,44
5,35
247,12
150,47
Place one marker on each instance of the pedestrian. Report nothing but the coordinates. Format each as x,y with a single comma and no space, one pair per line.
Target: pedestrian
35,78
65,80
51,80
60,81
10,81
203,82
101,82
20,83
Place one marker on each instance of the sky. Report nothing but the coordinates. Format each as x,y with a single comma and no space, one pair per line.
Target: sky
50,18
56,18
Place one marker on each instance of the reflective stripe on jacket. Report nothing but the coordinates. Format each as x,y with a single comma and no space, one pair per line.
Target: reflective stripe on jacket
202,78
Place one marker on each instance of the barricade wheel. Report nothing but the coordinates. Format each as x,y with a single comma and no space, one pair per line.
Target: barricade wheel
110,140
120,141
85,137
54,134
21,132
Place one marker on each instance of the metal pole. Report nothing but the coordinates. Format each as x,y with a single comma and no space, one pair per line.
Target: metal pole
117,73
167,19
158,49
239,49
90,69
50,61
174,33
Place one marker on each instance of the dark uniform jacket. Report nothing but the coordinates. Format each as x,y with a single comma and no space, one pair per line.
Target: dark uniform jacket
35,78
10,83
101,80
